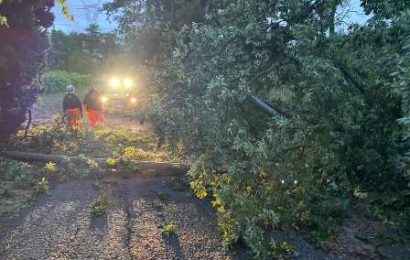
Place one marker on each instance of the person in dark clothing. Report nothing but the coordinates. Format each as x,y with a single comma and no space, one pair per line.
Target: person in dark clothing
94,107
72,108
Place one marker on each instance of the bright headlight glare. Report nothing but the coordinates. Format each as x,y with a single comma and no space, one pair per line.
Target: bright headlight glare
115,82
128,83
133,100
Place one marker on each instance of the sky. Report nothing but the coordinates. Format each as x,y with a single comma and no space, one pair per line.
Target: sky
85,12
356,14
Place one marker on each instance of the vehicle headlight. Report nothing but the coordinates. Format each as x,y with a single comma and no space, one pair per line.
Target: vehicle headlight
128,83
104,99
133,100
115,83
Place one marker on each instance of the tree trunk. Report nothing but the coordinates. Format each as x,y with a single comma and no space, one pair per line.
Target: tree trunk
149,167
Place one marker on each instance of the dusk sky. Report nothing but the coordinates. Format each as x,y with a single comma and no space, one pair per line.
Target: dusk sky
85,12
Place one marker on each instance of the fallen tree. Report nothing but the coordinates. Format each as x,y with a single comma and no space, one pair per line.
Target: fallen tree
148,167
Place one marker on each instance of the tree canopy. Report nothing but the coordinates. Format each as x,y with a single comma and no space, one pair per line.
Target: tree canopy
83,52
23,50
340,96
336,137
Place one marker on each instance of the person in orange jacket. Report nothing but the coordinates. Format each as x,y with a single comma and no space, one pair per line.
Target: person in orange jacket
72,108
94,107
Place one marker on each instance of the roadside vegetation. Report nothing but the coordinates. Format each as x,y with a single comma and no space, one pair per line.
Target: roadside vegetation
170,229
335,145
88,154
117,145
333,149
22,59
100,205
17,180
55,81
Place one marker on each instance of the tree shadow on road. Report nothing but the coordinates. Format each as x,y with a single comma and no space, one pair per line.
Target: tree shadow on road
99,225
172,244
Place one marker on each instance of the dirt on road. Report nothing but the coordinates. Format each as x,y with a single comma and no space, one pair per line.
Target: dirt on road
60,225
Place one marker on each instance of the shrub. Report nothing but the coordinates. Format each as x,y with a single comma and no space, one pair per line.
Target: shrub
56,80
100,205
50,167
169,229
23,52
132,153
42,186
282,250
12,170
112,162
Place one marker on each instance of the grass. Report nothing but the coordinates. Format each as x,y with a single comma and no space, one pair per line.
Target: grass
42,186
282,250
100,205
20,183
169,229
131,153
50,167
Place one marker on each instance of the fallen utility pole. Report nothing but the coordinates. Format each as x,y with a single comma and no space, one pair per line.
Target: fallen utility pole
264,106
269,108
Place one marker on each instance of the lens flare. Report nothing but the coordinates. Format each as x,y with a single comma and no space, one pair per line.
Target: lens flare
128,83
115,83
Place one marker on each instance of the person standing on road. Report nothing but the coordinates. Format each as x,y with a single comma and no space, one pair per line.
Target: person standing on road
94,107
72,108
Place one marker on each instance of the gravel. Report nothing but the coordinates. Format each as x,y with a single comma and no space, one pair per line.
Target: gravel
60,226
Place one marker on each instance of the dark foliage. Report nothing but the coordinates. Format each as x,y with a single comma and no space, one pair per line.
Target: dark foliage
23,50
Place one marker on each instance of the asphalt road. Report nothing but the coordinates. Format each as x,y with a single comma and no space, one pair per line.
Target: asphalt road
60,226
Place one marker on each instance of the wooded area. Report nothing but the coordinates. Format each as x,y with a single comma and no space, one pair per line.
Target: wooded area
342,97
340,138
